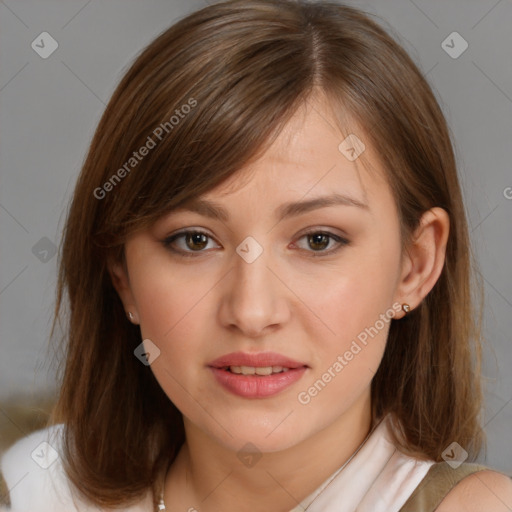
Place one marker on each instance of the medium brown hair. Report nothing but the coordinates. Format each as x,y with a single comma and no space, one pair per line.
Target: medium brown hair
243,68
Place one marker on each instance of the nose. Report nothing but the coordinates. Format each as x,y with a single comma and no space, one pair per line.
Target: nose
254,300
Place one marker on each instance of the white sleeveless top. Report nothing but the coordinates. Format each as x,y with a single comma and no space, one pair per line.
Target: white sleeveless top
379,478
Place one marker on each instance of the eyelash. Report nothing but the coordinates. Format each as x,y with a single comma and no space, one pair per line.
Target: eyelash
314,254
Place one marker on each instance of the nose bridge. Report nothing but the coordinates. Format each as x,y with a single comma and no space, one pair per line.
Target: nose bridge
251,276
253,299
250,262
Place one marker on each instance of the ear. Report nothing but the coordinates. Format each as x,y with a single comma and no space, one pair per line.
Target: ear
120,280
424,258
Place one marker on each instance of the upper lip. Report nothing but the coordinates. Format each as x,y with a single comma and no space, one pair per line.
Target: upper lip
263,359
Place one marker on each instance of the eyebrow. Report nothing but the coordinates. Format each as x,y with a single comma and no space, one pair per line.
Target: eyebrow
216,211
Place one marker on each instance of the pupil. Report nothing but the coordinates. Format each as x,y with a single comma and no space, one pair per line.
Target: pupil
196,239
318,239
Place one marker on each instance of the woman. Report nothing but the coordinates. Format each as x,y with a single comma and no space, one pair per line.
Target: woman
267,265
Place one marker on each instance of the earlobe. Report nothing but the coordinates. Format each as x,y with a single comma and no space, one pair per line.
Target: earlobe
425,257
119,276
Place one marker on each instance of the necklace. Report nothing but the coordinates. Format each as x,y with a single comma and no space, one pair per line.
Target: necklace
161,503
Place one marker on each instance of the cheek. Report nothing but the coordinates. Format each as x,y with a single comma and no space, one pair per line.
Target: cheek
357,308
169,298
352,296
346,362
173,308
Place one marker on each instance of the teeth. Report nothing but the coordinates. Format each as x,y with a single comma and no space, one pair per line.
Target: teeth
262,370
266,370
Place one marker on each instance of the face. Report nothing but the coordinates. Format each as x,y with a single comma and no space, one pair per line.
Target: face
256,283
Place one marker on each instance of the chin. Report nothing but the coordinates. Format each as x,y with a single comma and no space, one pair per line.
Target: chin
266,438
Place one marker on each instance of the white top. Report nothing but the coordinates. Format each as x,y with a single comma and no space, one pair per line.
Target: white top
378,478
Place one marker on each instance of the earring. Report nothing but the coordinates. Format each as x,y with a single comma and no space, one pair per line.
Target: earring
130,316
406,308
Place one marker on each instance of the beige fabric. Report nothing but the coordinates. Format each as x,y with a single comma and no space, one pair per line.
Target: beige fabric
438,482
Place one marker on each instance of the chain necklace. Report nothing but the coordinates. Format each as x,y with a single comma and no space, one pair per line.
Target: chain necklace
161,503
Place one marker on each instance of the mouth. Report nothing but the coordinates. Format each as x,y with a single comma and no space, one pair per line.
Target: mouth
249,363
255,370
250,375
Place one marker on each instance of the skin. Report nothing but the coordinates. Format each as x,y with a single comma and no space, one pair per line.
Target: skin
485,491
288,301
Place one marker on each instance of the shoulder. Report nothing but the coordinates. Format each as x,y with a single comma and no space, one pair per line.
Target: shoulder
35,478
38,450
484,490
32,471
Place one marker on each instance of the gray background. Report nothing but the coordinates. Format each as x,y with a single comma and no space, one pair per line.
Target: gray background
50,108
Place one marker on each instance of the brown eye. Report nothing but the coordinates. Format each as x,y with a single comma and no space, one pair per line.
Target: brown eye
196,241
318,241
187,242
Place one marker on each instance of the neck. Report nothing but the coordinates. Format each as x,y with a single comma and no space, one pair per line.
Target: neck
210,477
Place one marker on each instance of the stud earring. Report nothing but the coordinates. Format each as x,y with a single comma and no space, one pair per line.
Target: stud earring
406,308
130,316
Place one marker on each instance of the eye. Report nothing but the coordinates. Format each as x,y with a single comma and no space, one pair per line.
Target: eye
320,240
191,241
195,241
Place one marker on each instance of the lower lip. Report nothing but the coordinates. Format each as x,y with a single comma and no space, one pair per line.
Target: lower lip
257,386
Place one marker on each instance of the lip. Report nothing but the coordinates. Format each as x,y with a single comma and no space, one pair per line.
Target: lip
256,386
261,359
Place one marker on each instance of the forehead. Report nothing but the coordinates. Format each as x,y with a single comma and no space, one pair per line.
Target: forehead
314,154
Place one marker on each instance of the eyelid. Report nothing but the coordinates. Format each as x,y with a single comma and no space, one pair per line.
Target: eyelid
168,240
184,231
340,240
324,230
